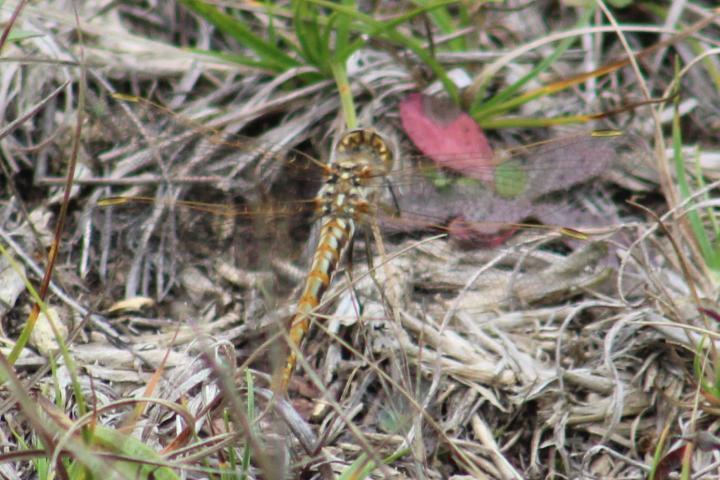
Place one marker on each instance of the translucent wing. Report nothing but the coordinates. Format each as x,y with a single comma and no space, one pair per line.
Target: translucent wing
251,201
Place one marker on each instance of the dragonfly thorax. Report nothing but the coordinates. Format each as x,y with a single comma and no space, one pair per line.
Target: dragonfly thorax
346,192
361,159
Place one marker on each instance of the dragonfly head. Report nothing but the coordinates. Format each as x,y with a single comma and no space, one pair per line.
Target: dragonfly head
364,147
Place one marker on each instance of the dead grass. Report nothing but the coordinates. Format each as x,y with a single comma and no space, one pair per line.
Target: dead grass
539,358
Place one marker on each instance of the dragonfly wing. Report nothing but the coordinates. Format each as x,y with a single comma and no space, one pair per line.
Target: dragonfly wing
542,183
424,206
250,198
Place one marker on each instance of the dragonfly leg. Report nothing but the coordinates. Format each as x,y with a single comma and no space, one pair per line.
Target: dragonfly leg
371,267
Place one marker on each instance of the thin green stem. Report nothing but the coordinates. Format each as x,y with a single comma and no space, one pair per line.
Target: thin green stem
346,99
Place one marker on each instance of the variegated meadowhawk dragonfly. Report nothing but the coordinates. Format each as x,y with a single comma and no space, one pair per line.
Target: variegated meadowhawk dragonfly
361,181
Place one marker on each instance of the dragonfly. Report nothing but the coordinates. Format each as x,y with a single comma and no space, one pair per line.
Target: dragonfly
365,180
362,158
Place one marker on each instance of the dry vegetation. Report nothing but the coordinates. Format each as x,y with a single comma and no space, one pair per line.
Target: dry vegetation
538,357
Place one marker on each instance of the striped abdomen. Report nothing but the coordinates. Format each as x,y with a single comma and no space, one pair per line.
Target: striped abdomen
335,235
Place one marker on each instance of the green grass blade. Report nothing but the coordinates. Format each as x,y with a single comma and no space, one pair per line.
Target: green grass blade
343,29
251,419
362,467
387,30
701,184
503,101
235,28
533,122
239,59
307,31
346,99
142,461
709,254
417,48
442,19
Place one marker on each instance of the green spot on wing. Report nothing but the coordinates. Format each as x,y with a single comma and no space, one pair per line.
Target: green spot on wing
438,178
510,179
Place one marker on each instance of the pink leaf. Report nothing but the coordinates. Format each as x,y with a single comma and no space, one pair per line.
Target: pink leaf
447,135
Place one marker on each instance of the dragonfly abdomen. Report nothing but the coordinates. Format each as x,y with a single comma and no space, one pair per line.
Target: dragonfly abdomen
335,236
